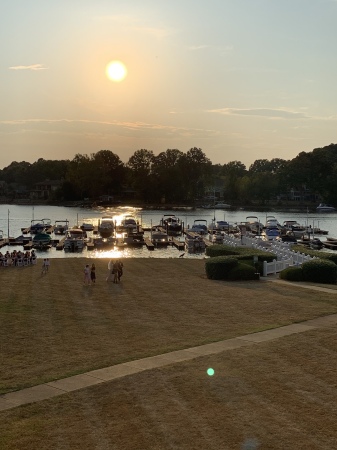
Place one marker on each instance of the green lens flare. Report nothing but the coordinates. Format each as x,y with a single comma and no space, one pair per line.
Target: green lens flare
210,372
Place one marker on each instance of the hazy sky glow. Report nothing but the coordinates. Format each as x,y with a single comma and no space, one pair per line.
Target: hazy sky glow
243,79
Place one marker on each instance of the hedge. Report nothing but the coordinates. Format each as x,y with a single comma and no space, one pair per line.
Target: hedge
221,250
242,272
292,273
319,254
218,268
240,252
320,271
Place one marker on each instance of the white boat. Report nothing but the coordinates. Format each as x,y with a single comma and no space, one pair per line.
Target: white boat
295,227
75,239
159,237
222,206
322,207
194,243
129,223
217,238
271,221
61,226
199,226
254,225
106,226
172,224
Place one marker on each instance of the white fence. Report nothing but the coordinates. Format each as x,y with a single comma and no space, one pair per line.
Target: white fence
285,257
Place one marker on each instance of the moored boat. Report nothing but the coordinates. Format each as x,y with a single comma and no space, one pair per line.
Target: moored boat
270,233
295,227
87,226
323,207
129,223
194,242
42,240
199,226
172,224
61,226
37,226
75,239
159,237
222,206
106,226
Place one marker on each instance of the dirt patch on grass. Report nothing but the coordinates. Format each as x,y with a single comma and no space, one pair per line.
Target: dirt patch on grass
277,395
52,326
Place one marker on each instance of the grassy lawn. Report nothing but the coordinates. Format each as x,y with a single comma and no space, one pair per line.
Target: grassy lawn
53,326
279,395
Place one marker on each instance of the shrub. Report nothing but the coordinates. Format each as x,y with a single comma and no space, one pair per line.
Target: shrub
242,272
221,250
257,266
240,252
249,253
219,267
320,271
292,274
319,254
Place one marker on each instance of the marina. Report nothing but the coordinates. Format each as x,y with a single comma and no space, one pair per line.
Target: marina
140,233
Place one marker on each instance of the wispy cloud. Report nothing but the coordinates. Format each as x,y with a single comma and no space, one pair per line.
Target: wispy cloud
131,126
132,23
30,67
224,50
278,113
197,47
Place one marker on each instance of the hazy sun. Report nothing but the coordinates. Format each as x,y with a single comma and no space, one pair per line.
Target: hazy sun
116,71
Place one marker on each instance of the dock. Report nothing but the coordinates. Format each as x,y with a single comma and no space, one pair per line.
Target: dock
3,242
60,244
149,244
90,245
331,245
28,245
178,244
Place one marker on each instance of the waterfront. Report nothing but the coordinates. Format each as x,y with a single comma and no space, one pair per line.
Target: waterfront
15,217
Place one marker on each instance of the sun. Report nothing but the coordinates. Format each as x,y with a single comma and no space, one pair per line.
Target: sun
116,71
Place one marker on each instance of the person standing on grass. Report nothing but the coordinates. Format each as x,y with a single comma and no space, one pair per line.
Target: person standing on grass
93,273
87,274
115,271
44,267
120,266
47,264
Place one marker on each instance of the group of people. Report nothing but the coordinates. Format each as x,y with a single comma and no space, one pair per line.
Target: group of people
17,258
116,270
90,274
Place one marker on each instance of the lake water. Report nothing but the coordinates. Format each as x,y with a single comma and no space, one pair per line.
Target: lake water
15,217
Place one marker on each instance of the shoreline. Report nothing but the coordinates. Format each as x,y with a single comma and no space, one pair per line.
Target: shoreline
161,207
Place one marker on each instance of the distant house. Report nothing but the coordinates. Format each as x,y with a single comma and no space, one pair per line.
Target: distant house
44,189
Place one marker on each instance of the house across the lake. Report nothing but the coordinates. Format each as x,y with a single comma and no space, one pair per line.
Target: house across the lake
44,189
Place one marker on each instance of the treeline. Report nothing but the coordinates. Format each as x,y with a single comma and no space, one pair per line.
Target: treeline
179,177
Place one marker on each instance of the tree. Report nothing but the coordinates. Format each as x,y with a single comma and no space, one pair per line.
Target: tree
140,164
166,171
107,171
196,171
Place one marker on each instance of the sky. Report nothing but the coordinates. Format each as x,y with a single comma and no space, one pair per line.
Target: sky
240,79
